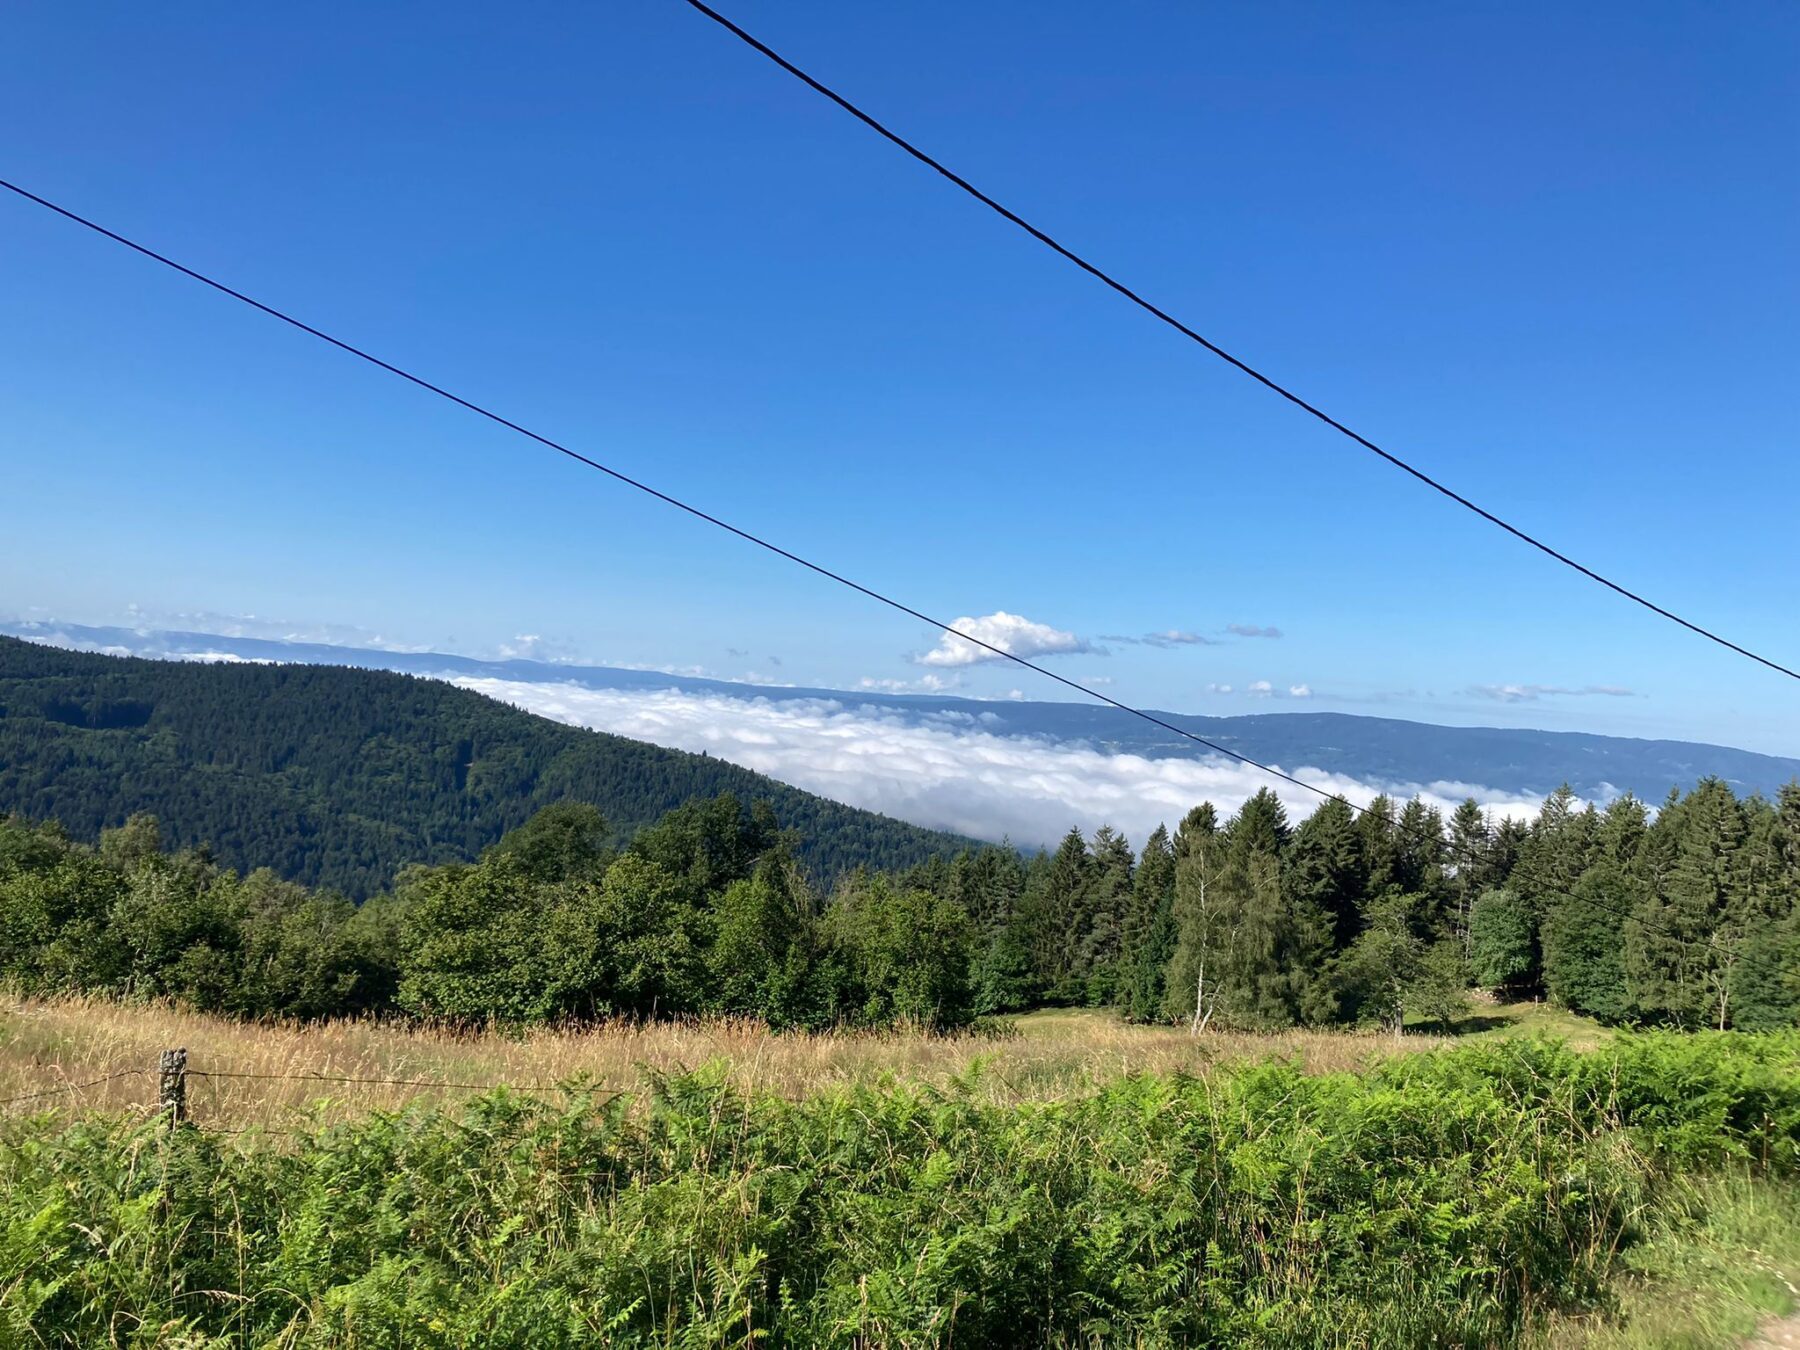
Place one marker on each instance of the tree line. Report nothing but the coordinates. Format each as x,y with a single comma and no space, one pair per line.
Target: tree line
1685,918
706,911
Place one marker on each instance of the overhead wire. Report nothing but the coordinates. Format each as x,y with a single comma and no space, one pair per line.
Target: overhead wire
1268,382
696,512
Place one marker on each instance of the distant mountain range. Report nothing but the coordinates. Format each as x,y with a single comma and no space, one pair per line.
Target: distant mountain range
339,777
1369,749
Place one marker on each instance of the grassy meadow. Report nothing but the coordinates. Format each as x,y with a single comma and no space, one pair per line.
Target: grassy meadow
1066,1179
1044,1055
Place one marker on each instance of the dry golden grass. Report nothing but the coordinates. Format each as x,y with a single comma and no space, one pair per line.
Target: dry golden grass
53,1043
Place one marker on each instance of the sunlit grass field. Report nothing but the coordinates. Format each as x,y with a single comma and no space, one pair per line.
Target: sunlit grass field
1048,1054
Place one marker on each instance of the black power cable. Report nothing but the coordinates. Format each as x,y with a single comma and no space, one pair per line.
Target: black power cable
708,517
1266,381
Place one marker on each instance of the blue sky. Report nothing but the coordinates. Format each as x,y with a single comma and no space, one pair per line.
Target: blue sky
1544,251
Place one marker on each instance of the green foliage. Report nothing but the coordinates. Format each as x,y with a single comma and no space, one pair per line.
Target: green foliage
1765,983
474,943
1501,941
1151,932
1004,978
566,841
898,955
1438,992
1584,967
338,777
1448,1198
1383,964
705,912
764,948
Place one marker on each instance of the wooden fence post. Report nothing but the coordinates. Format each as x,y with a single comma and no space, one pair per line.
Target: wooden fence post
171,1092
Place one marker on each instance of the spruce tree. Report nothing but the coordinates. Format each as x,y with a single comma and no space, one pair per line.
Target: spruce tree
1061,918
1149,941
1380,849
1471,867
1255,985
1108,902
1326,869
1694,923
1419,868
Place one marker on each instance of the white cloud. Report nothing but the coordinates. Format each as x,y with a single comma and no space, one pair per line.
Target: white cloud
947,772
1265,689
1011,633
52,636
1252,630
1530,693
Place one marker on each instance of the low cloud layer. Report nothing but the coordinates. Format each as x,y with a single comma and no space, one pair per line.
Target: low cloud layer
950,770
1252,630
1013,634
1530,693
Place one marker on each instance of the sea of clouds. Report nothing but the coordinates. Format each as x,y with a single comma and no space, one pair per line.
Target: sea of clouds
946,770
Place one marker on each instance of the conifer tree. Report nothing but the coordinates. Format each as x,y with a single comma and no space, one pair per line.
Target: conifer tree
1695,921
1254,983
1060,916
1380,849
1419,868
1107,903
1469,861
1326,870
1149,942
1503,854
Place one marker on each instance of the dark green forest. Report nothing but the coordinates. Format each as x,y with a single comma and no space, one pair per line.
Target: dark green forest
1686,919
338,777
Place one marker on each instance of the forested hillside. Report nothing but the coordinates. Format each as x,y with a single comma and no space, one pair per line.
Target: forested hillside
1520,760
337,777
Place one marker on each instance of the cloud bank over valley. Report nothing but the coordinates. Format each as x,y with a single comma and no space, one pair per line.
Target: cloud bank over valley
949,770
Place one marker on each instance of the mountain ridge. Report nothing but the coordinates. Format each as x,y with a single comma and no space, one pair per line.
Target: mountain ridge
1386,750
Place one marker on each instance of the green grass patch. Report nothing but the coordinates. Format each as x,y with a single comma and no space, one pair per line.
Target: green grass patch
1720,1254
